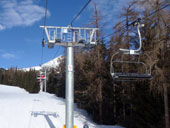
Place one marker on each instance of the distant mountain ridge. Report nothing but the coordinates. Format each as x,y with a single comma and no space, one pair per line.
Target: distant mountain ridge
50,64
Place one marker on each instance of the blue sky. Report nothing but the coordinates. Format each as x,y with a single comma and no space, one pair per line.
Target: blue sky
21,36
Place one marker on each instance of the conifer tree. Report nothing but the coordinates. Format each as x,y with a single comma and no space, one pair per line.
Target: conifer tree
156,37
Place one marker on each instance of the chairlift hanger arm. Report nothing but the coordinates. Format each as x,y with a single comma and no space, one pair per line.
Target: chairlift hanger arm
136,51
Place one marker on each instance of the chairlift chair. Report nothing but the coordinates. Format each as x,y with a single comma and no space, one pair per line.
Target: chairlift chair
126,75
43,42
118,73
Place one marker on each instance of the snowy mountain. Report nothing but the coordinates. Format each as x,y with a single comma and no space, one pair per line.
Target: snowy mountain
50,64
19,109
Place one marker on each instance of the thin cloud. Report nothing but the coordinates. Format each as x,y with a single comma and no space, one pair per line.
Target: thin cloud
110,9
9,56
1,51
2,27
19,13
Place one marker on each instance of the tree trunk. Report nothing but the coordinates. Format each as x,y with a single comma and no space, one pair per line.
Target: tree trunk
124,108
114,102
167,125
100,112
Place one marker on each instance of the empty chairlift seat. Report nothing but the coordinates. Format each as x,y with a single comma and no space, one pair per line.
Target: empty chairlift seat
128,67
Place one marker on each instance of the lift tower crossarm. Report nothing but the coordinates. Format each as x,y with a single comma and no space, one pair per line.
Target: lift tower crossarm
66,27
76,36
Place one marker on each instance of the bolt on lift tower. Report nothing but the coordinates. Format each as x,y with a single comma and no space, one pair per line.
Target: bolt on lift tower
70,37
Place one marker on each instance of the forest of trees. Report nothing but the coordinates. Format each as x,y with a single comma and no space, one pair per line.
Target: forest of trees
23,79
132,104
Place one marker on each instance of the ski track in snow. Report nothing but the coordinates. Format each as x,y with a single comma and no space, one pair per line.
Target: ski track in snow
19,109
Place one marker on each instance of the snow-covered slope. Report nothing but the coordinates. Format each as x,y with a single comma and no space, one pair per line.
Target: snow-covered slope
50,64
19,109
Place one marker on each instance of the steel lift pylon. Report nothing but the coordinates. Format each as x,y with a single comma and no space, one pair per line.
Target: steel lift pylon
70,37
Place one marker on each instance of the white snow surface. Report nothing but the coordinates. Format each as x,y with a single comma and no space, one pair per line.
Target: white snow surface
20,109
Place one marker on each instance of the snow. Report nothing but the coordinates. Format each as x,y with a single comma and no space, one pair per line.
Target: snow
19,109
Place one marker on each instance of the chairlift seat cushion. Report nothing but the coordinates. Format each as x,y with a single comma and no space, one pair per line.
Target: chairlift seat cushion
131,76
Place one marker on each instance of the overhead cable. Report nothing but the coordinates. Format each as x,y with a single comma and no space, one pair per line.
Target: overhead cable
156,11
45,20
80,12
